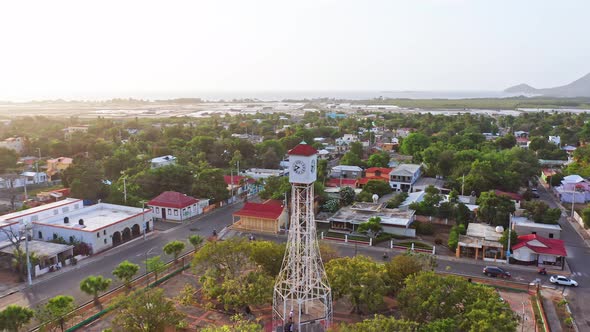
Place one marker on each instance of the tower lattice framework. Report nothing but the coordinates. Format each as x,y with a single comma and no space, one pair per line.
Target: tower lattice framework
302,295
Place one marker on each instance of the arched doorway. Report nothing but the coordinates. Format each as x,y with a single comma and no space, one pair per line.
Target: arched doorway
116,238
126,234
135,230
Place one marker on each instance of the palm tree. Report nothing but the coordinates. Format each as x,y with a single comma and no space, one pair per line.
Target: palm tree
92,285
195,240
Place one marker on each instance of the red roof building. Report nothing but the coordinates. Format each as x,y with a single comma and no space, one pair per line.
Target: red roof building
172,205
338,182
513,196
302,149
533,247
267,217
363,181
236,180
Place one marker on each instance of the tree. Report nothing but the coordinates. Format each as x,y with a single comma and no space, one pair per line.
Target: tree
540,212
495,210
8,159
414,144
56,310
401,267
268,255
93,285
378,160
275,187
125,271
155,265
371,227
360,279
147,311
346,196
14,317
378,187
195,240
504,239
238,324
352,159
356,148
428,297
174,248
381,324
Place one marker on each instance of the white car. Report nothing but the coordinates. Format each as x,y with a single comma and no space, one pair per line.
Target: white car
561,280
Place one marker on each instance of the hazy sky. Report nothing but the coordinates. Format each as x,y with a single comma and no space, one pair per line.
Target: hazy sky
77,49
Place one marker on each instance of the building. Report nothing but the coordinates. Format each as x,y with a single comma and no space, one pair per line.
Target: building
268,217
393,221
346,139
404,176
172,205
262,173
538,250
555,140
101,226
70,131
48,253
341,182
58,165
424,182
53,195
35,177
524,226
547,173
163,161
481,241
514,197
239,185
346,171
574,189
16,144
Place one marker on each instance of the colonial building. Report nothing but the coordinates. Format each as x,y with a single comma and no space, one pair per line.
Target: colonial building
172,205
268,217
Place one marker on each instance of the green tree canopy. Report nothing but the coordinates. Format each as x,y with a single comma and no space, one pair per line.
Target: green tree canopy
125,271
92,285
13,317
195,240
495,210
56,310
381,324
174,248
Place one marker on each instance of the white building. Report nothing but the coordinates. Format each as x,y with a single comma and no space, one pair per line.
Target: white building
347,139
524,226
101,226
346,171
555,140
69,131
404,176
163,161
13,143
172,205
35,177
262,173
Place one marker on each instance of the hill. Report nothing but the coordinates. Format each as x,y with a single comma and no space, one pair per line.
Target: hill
577,88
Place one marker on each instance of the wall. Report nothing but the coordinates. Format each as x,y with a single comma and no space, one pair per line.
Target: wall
174,213
410,232
523,230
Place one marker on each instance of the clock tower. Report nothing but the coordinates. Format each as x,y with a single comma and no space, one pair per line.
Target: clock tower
302,296
303,161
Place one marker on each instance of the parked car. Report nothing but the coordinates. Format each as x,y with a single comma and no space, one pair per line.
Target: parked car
561,280
494,271
535,195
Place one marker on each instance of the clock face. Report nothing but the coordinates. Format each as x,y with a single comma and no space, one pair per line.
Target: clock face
299,167
312,168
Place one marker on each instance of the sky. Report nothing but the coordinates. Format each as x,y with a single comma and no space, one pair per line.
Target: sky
113,48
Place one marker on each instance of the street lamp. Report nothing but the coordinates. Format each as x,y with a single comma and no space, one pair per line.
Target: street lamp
143,218
146,267
28,228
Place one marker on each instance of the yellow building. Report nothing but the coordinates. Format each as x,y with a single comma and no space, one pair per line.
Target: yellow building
268,217
58,165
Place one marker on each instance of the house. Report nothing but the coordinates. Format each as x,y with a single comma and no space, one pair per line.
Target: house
404,176
424,182
17,144
546,174
555,140
516,198
523,142
346,139
58,165
524,226
70,131
240,184
163,161
574,189
53,195
569,149
172,205
346,171
341,182
393,221
101,226
403,132
521,133
268,217
323,154
538,250
262,173
47,253
376,174
481,240
35,177
415,197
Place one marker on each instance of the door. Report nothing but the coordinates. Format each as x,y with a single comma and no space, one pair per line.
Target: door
163,213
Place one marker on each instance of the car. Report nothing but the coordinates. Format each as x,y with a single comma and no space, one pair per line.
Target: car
561,280
494,271
534,190
535,195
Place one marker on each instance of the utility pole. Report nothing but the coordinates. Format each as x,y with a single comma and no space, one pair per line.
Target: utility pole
509,236
463,185
143,218
125,189
27,229
573,199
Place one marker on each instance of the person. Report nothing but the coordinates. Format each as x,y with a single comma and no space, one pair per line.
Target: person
214,232
291,315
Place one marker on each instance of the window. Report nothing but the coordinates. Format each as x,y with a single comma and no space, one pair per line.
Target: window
104,232
169,211
41,235
533,232
105,241
54,236
175,212
157,210
550,235
65,209
71,239
98,234
55,212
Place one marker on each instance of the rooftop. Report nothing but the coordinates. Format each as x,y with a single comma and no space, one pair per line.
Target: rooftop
362,213
405,169
302,149
163,159
173,199
524,221
348,168
95,217
271,209
16,215
41,248
483,231
541,245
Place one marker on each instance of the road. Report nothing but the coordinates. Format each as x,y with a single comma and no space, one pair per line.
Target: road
577,258
67,282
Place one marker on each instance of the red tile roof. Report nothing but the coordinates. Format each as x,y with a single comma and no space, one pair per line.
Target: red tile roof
512,196
383,170
236,179
549,172
369,178
303,149
335,182
173,199
271,209
552,246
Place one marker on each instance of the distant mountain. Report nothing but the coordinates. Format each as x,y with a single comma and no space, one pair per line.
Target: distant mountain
577,88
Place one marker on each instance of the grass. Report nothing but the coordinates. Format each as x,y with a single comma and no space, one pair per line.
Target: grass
350,237
35,191
417,244
537,311
562,314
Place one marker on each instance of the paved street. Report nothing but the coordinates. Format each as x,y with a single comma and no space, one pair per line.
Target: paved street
578,254
67,282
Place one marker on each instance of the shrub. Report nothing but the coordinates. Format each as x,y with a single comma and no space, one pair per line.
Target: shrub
396,201
438,241
586,217
424,228
331,206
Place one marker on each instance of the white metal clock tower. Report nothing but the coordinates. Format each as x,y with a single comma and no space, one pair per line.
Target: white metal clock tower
302,296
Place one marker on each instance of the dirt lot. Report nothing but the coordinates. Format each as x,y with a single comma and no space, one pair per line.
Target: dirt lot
521,304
